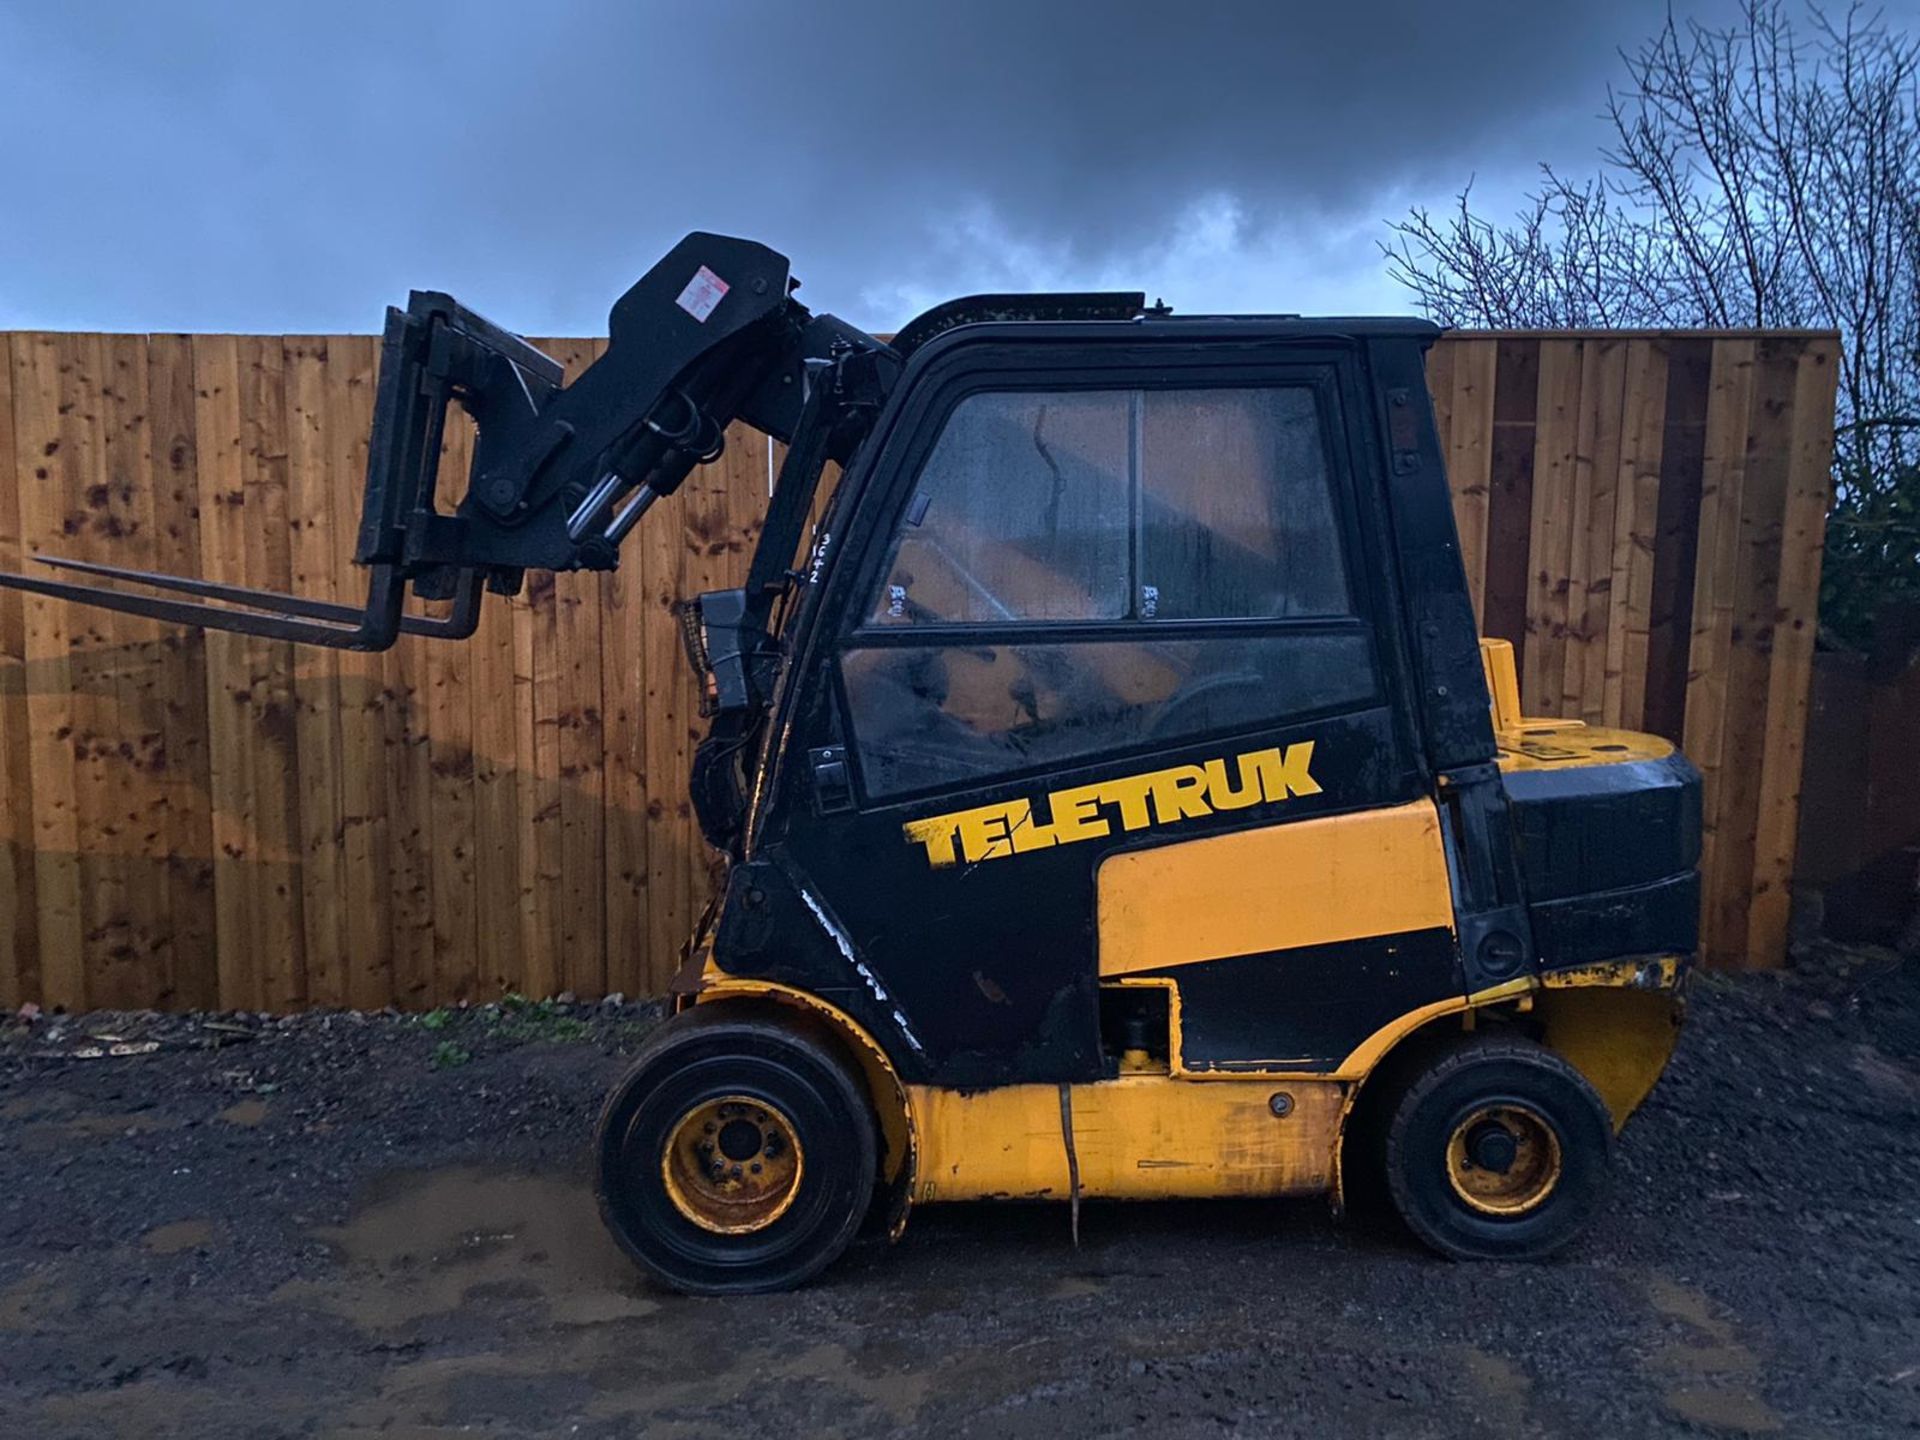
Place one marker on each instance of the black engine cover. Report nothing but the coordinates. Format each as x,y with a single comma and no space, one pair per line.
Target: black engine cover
1609,855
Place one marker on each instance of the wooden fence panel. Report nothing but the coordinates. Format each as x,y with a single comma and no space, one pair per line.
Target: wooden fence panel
1590,616
19,918
1506,581
318,734
366,844
579,601
42,367
1643,409
183,764
1555,517
1798,557
1716,566
1468,440
210,820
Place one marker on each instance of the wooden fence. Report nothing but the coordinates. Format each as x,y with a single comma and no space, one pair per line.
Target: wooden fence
1860,822
191,820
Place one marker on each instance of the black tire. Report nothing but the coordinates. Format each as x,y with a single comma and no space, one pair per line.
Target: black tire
1558,1149
705,1058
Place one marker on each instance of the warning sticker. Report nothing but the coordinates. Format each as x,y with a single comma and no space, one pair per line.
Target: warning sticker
704,291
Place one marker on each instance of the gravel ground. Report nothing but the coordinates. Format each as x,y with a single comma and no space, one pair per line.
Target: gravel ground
348,1225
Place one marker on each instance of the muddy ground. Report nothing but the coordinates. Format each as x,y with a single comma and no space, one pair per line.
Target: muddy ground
352,1226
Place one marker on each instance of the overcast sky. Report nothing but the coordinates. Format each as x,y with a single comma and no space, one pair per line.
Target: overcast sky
296,167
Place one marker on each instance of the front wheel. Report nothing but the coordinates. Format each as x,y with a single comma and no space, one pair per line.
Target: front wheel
735,1156
1500,1150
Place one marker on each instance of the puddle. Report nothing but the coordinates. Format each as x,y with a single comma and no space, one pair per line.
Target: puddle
1734,1360
27,1107
139,1122
1713,1359
57,1122
1716,1350
1714,1409
139,1411
656,1381
247,1113
474,1392
27,1304
1688,1306
899,1395
1887,1078
178,1235
1503,1387
430,1244
1075,1287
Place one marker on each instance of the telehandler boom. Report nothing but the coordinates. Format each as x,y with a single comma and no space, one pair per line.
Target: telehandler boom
1118,799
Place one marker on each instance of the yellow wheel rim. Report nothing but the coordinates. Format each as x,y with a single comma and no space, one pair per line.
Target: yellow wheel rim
732,1165
1503,1160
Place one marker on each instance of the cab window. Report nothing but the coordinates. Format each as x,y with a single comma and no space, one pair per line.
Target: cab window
1084,540
1236,513
1022,513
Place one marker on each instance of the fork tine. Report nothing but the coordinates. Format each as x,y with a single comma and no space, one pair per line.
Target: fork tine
178,612
238,594
456,626
460,622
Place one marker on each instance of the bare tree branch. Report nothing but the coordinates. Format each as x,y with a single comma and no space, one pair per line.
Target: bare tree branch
1763,174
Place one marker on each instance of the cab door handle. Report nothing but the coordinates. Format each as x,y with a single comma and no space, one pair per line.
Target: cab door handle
832,784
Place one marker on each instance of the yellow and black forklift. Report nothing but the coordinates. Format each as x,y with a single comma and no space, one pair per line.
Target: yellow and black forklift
1118,798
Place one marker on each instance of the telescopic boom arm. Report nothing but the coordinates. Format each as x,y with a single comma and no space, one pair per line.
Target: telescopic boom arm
560,473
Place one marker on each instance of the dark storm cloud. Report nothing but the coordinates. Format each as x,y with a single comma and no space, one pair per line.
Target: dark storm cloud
277,167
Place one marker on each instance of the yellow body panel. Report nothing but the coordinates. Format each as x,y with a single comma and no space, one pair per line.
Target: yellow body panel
1543,744
1138,1137
1645,972
1370,1051
1165,1136
1616,1023
1503,685
1567,744
1312,882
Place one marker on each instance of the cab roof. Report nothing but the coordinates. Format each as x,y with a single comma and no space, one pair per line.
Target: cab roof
1078,312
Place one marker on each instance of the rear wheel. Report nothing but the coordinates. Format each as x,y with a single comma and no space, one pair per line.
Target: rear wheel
735,1156
1499,1150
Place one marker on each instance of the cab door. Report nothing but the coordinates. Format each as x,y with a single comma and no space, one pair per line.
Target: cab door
1106,692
